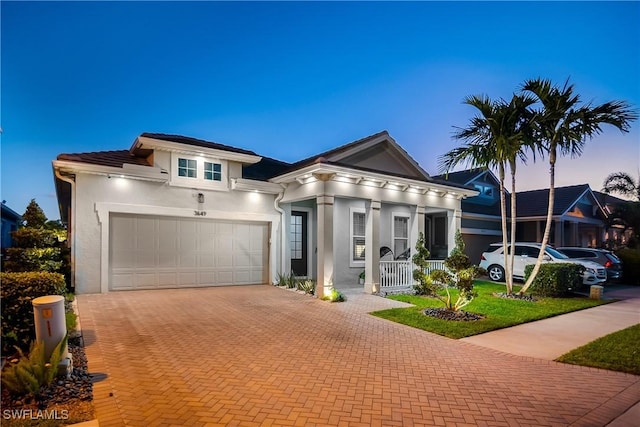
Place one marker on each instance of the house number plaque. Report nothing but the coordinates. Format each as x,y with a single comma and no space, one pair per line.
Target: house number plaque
200,213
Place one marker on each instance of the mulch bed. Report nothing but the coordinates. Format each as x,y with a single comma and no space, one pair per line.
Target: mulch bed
515,296
444,314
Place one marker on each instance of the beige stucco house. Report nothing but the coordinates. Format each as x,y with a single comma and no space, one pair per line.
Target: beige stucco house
173,212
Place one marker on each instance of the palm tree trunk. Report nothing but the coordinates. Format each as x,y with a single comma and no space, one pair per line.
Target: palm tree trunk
513,220
547,228
508,278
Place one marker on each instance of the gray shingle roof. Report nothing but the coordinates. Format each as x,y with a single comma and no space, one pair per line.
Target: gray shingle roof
535,202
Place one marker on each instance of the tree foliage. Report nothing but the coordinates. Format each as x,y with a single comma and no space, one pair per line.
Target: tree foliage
459,274
34,216
562,125
500,135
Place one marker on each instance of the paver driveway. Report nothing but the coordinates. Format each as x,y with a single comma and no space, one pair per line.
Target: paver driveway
259,355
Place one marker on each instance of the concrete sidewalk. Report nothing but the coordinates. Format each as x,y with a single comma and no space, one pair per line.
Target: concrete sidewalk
551,338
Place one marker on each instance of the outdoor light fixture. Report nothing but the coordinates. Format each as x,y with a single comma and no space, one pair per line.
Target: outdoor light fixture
200,198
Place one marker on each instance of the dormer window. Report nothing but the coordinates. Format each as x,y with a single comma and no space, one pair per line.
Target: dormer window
212,171
486,191
187,168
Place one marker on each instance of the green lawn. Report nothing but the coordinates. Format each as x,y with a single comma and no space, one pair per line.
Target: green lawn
618,351
499,312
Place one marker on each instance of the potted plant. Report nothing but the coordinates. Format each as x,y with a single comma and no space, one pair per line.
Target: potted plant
361,277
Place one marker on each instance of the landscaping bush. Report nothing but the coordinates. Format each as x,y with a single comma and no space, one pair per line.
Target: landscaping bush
555,279
17,292
630,264
32,371
33,259
307,286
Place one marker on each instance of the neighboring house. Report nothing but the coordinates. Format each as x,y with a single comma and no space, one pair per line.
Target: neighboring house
174,211
481,219
616,234
578,217
11,221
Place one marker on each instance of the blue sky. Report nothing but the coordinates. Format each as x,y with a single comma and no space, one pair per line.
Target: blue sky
288,80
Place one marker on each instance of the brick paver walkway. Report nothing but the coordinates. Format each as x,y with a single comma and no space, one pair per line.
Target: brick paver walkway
259,355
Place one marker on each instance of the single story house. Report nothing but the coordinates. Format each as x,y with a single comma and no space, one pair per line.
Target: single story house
173,211
579,219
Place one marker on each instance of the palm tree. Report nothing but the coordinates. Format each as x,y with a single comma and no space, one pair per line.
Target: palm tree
497,137
627,214
622,183
562,126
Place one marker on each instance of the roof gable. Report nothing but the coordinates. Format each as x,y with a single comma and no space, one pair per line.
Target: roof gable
535,202
377,152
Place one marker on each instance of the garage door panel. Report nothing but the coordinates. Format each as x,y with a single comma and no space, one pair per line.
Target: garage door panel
146,258
167,259
206,260
146,280
161,252
122,281
167,280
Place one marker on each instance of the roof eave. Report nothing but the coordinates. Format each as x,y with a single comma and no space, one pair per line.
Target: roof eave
144,142
153,174
381,180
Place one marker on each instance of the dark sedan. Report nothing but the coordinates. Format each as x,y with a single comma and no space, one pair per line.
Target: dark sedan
601,256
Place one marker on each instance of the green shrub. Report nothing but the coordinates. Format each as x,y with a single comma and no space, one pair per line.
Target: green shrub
288,281
36,238
307,286
334,295
630,265
555,279
31,372
17,292
33,259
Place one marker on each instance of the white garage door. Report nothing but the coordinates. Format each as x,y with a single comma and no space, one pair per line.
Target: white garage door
148,252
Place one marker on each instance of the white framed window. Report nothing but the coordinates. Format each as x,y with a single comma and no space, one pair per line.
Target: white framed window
296,237
212,171
197,171
357,231
400,233
187,168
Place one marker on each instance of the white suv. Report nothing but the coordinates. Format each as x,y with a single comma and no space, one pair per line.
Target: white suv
527,253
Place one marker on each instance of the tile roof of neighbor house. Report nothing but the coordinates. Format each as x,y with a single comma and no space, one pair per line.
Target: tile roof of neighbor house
196,142
105,158
536,202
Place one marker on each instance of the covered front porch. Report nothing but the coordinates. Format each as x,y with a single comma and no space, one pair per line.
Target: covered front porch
334,238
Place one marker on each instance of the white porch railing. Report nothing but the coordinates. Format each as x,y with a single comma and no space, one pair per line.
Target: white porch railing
399,274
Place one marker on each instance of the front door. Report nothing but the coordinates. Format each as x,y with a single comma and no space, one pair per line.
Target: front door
298,243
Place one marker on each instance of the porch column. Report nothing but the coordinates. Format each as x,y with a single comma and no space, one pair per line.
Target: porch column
325,245
559,234
539,224
454,220
372,247
420,219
